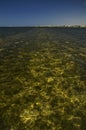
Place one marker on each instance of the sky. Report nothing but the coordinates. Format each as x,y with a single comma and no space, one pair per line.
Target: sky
42,12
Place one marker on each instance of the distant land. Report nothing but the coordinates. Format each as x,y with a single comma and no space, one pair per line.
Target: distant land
74,26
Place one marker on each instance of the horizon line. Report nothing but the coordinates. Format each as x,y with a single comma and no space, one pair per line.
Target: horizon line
65,25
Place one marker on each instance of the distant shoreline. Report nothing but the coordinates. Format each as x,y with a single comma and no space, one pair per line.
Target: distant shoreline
49,26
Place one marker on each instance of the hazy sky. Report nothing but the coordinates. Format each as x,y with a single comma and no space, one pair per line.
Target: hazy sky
42,12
